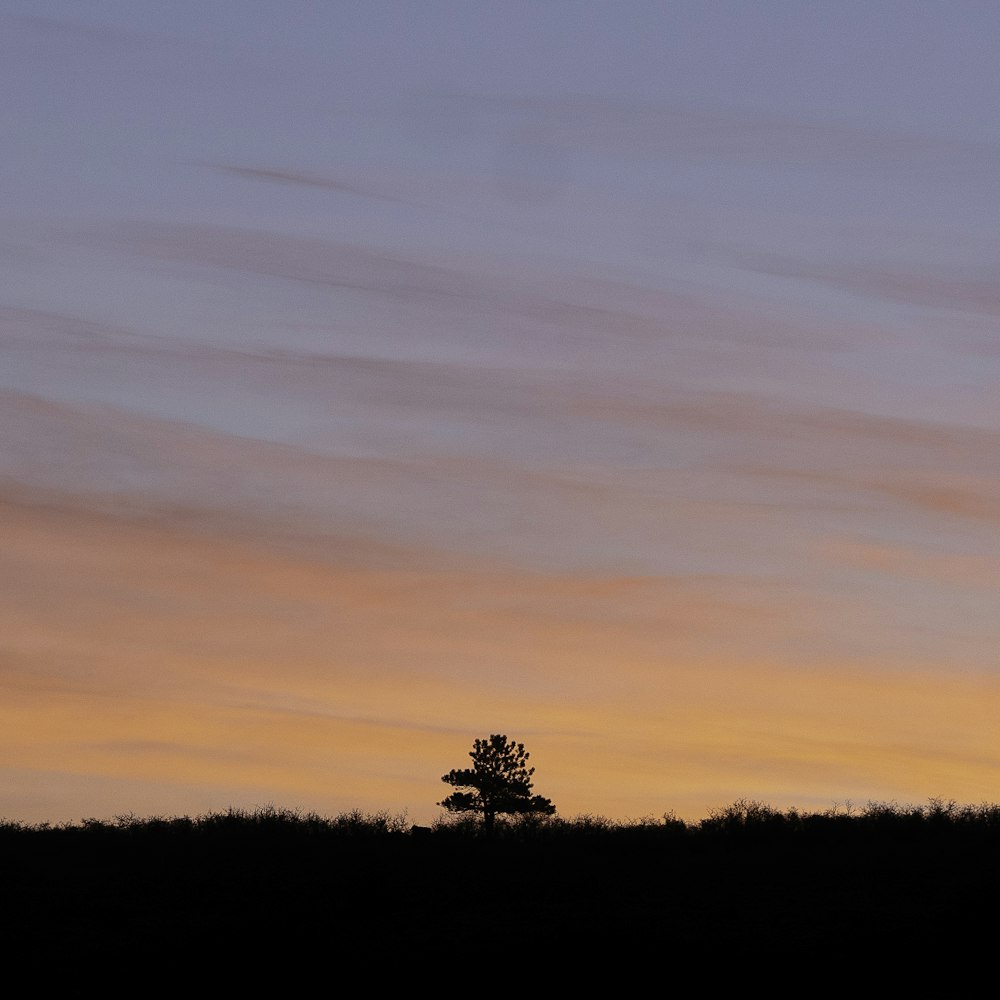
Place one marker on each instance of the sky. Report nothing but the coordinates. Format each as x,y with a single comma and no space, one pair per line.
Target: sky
378,376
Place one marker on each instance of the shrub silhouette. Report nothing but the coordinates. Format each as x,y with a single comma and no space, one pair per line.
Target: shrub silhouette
500,781
883,881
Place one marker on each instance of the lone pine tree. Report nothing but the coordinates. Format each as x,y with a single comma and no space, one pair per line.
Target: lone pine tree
500,781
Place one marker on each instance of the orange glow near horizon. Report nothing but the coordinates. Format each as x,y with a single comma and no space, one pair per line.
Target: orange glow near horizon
252,675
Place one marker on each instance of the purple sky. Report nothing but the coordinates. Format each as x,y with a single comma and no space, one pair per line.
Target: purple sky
378,376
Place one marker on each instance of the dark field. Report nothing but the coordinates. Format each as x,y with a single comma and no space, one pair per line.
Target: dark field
271,887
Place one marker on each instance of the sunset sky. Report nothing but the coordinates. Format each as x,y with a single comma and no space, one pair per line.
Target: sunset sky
376,376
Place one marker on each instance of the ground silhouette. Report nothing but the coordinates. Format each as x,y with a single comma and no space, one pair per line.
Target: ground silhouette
747,883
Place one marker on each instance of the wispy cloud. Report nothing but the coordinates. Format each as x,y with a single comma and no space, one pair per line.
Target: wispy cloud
968,290
303,179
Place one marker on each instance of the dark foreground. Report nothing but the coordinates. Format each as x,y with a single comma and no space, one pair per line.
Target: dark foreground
277,889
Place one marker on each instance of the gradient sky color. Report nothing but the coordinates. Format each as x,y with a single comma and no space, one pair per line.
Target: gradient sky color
378,376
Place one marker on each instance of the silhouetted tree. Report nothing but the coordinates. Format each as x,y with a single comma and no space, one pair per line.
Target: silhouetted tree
500,781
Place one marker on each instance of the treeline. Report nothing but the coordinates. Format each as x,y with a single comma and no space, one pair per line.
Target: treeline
743,818
286,888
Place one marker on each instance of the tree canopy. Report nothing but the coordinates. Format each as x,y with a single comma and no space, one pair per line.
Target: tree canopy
500,782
